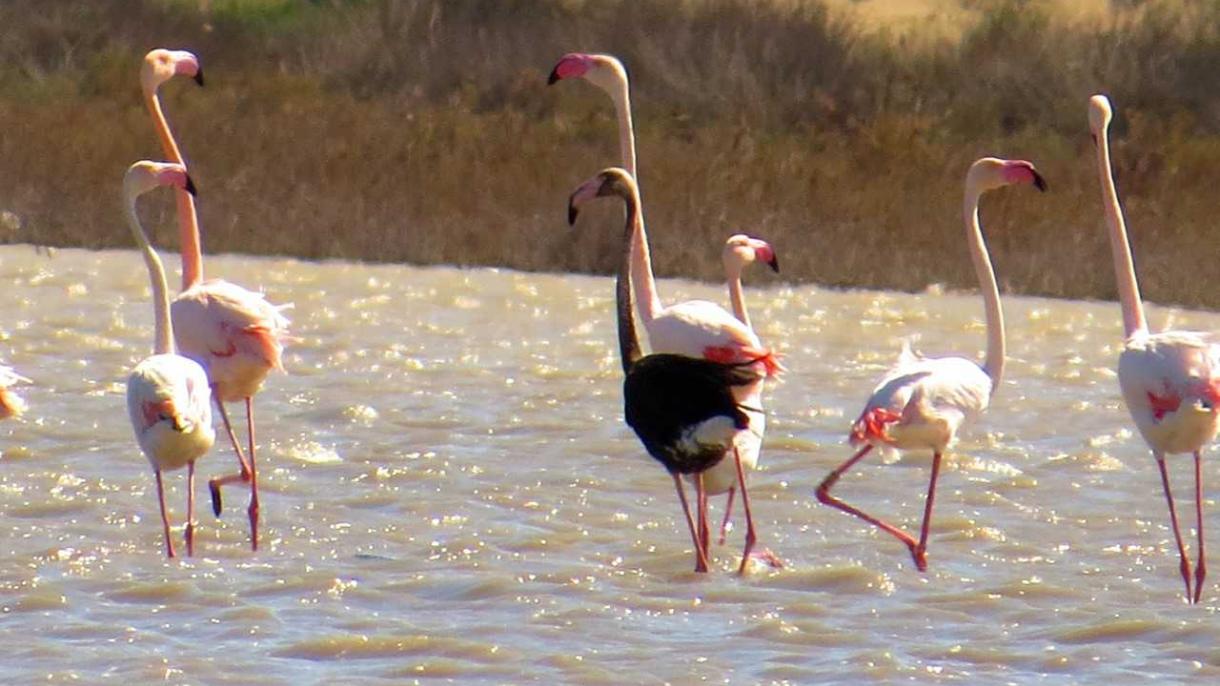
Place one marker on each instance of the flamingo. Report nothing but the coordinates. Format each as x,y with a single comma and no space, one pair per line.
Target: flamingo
11,404
1170,380
684,409
922,402
233,332
695,328
168,397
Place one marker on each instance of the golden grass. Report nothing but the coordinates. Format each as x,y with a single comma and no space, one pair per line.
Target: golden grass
423,132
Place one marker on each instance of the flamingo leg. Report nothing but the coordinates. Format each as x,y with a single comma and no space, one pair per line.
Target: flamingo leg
1201,568
705,533
253,509
1184,567
190,508
215,484
920,554
751,536
827,499
728,513
169,542
700,558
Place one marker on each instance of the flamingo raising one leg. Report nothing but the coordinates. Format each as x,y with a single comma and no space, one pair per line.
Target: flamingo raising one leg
1170,380
234,333
168,398
684,409
922,402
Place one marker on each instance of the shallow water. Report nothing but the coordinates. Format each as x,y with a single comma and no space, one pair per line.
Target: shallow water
450,495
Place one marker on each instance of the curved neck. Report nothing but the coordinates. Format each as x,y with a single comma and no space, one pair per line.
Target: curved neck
628,339
993,363
641,259
188,221
733,277
1124,266
164,343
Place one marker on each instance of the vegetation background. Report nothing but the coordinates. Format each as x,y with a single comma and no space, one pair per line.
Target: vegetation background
423,131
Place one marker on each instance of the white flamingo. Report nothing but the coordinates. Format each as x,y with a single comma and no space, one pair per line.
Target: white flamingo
1170,380
168,399
695,328
922,402
233,332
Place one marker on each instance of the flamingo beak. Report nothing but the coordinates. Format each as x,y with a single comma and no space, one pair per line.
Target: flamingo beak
550,80
1039,182
199,76
587,190
189,186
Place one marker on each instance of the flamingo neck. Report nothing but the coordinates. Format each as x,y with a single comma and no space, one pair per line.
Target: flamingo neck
164,338
628,339
993,363
188,220
1120,248
733,277
641,260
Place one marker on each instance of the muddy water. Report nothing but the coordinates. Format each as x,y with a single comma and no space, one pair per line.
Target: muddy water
450,495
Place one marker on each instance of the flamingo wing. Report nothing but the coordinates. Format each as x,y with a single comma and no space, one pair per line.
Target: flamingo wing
699,328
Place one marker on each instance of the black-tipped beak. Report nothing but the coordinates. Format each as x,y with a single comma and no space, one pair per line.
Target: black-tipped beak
773,263
190,186
1039,182
550,80
199,76
572,212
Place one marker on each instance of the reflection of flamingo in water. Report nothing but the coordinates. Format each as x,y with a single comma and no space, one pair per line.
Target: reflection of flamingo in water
1170,380
233,332
922,402
684,409
696,328
168,399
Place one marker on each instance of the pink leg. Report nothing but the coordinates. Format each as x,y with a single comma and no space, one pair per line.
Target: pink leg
700,558
215,484
825,497
190,508
728,512
921,551
705,531
169,542
1184,567
253,509
751,536
1201,569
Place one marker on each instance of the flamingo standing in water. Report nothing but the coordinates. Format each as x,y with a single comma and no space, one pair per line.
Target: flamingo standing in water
168,397
684,409
234,333
695,328
922,402
1170,380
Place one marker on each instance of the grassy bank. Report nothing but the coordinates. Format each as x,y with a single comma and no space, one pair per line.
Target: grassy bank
423,132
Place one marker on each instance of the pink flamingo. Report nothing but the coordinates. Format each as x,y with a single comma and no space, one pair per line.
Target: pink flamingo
922,402
1170,380
234,333
168,398
695,328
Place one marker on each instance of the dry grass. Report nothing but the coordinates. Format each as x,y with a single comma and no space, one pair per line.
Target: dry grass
422,131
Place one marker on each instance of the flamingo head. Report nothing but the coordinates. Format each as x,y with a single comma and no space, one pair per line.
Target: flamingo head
990,173
610,181
1100,114
161,65
603,71
145,175
740,250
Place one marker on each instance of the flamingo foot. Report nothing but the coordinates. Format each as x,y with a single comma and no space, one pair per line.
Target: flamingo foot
1184,568
920,555
1200,575
768,558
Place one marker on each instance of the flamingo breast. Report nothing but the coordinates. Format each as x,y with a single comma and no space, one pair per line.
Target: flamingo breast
177,382
1170,382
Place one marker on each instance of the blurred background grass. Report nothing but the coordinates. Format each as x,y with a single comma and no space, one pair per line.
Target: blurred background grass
422,131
